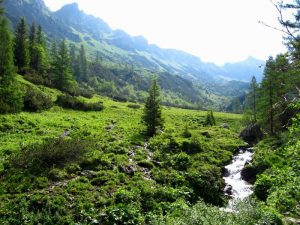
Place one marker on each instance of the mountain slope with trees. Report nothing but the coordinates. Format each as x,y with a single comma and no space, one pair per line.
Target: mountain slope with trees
125,64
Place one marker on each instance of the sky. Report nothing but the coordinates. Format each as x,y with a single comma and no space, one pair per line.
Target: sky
217,31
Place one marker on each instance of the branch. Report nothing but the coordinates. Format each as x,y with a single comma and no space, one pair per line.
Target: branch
274,28
278,7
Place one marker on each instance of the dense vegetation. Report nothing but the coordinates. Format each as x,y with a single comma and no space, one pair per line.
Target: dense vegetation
119,162
274,106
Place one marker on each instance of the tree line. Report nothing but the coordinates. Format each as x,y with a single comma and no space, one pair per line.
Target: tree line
28,53
271,102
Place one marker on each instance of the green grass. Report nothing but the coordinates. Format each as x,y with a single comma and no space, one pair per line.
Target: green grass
117,175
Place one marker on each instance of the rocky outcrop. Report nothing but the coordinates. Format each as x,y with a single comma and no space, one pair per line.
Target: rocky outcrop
252,134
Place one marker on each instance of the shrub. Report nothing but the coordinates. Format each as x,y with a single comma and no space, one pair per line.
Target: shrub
35,100
51,152
134,106
186,133
67,101
181,161
85,92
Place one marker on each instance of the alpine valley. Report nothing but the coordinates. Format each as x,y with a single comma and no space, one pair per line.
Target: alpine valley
128,62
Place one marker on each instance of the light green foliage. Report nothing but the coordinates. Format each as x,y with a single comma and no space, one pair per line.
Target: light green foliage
277,163
121,178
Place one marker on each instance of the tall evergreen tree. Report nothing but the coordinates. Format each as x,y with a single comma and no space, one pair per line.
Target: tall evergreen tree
83,64
63,74
10,98
252,99
1,9
21,48
152,116
32,46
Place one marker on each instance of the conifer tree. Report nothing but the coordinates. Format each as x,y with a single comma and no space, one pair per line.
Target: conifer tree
252,99
63,74
21,47
83,64
10,98
152,116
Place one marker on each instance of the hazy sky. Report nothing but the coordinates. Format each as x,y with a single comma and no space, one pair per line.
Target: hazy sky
215,30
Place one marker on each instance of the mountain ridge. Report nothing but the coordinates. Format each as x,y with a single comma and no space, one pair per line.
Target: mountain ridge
119,48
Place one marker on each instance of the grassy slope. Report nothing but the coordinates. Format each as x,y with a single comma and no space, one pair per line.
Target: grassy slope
100,186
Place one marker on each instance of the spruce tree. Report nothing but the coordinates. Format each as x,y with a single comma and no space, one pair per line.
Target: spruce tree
251,100
10,97
63,74
21,47
83,64
152,116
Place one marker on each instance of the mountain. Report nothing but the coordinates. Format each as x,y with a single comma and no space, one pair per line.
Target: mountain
182,74
245,70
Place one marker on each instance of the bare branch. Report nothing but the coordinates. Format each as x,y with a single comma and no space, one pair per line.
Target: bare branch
278,7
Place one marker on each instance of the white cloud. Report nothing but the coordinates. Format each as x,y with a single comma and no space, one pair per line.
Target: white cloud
218,31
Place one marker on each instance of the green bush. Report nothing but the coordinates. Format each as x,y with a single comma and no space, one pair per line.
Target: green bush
134,106
181,161
69,102
51,152
35,100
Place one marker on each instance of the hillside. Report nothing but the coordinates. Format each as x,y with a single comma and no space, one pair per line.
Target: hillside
117,49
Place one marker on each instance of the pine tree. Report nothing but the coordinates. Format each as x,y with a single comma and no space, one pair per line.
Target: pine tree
32,46
63,74
1,9
252,99
152,117
210,119
83,64
21,48
10,98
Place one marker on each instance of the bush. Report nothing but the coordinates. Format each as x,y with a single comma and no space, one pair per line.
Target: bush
35,100
51,152
67,101
134,106
186,133
181,161
85,92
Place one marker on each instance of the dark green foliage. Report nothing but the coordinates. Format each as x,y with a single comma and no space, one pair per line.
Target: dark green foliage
186,133
52,152
70,102
39,61
10,96
35,101
1,9
133,106
21,47
63,75
83,67
152,112
210,119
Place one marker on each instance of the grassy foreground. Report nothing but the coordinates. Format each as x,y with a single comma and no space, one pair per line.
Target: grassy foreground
71,167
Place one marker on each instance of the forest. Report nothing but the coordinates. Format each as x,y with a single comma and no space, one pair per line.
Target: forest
84,140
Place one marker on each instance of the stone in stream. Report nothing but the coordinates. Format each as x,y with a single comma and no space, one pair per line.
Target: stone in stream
228,190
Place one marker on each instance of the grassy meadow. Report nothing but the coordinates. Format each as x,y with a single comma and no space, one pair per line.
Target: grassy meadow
64,166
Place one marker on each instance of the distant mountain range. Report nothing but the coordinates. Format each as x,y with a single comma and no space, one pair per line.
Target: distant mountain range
117,46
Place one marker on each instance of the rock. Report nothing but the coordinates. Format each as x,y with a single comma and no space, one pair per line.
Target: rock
206,134
252,134
228,190
225,125
128,169
291,221
248,174
225,172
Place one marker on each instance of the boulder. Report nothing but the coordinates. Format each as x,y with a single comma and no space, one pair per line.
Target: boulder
252,134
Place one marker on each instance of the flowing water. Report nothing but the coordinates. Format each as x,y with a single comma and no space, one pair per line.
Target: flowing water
236,187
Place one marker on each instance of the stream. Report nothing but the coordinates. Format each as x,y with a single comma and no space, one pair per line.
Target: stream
236,187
